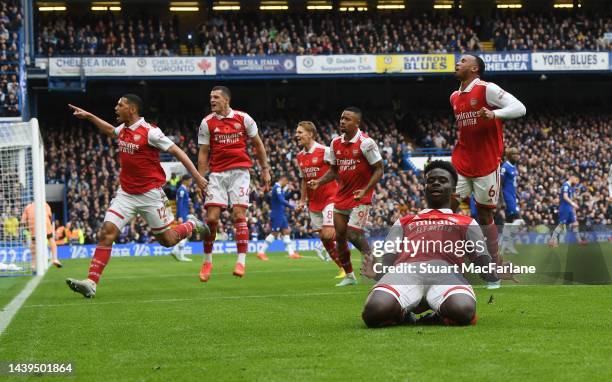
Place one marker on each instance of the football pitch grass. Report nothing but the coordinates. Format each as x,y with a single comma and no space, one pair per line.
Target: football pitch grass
152,320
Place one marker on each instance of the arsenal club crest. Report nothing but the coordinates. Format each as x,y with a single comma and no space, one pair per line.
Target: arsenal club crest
137,137
473,102
237,126
315,160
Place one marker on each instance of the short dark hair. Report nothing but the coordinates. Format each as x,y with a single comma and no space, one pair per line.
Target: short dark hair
481,65
134,100
444,165
223,89
185,177
355,110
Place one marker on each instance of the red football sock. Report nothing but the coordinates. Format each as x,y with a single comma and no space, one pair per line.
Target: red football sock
490,232
242,235
344,253
330,246
184,230
100,259
208,244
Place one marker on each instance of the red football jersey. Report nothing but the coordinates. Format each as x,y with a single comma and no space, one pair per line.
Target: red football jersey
480,144
437,235
354,159
139,147
312,165
227,137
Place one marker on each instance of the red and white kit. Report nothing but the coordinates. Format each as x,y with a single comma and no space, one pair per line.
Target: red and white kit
480,144
141,177
354,159
228,183
427,228
312,165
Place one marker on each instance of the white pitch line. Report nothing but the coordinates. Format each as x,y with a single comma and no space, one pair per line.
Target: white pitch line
87,304
7,314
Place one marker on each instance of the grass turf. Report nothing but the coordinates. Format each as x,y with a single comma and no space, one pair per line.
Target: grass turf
152,320
10,287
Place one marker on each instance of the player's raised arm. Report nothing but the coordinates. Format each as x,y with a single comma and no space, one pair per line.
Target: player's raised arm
101,124
509,106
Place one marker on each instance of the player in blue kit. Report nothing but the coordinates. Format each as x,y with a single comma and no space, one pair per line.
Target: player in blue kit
182,212
567,213
509,179
279,221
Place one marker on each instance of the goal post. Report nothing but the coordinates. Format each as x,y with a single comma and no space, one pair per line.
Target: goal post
22,182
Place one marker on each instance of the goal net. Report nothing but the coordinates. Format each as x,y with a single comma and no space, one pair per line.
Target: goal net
22,228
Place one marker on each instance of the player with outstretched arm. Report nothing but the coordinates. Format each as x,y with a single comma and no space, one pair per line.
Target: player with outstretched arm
141,180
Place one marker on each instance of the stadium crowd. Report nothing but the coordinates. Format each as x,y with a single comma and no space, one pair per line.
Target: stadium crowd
552,31
105,36
10,24
550,145
322,33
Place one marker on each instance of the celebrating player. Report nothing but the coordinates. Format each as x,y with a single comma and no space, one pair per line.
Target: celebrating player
28,218
141,179
479,109
313,163
509,175
567,215
222,137
397,296
279,221
182,211
358,166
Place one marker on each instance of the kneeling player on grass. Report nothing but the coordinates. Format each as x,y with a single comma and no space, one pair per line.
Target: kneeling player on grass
141,179
397,296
